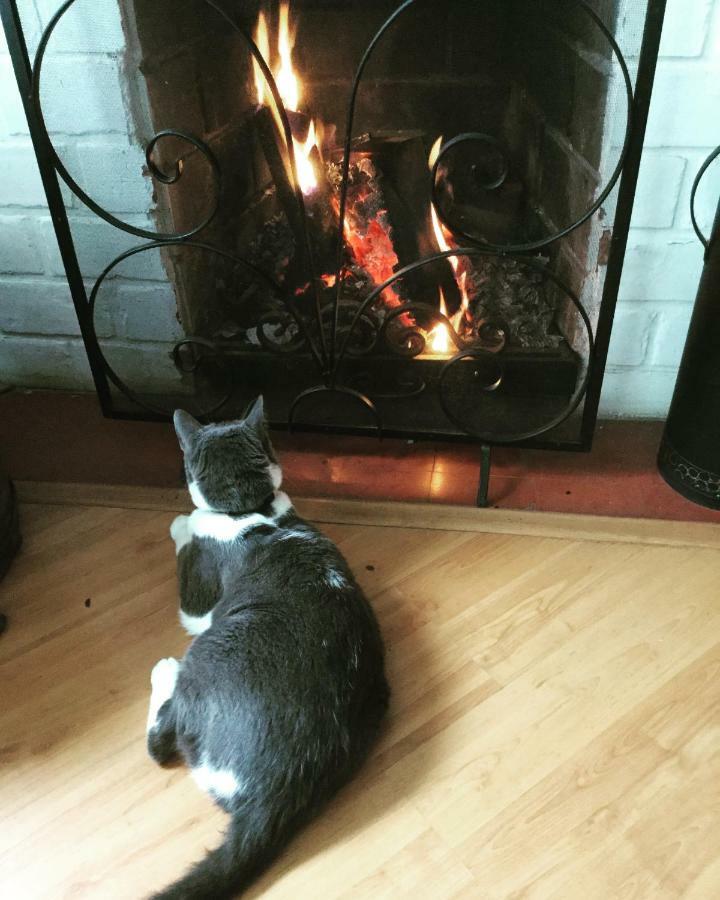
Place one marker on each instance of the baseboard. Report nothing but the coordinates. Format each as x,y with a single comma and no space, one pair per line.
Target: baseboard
427,516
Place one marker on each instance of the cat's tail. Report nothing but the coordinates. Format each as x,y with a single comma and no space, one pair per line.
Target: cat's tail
253,839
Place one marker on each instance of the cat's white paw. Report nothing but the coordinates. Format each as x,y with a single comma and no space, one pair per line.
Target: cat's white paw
162,678
180,532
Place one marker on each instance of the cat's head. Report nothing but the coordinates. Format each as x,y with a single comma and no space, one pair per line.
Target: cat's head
230,467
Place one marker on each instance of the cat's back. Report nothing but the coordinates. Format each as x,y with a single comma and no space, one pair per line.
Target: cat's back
291,597
294,644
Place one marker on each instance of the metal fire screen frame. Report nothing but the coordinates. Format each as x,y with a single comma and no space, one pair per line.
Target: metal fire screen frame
324,336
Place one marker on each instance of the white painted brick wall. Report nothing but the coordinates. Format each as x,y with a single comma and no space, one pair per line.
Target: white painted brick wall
85,110
44,362
86,115
655,209
53,312
97,244
20,184
664,258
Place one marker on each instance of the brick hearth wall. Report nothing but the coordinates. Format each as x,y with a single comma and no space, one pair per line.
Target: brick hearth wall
664,258
86,116
39,343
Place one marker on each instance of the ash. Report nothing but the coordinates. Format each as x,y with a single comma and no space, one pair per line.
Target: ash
274,247
506,290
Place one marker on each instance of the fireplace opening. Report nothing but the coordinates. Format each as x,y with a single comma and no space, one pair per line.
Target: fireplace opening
420,242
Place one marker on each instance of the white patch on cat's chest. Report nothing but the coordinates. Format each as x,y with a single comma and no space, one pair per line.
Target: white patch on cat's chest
281,505
195,624
197,496
223,528
275,473
218,782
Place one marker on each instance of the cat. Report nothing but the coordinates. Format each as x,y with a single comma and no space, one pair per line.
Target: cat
282,692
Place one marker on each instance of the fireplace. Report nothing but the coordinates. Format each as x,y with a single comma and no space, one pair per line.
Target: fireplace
385,217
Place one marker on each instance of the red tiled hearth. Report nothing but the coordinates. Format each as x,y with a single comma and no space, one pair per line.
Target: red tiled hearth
47,436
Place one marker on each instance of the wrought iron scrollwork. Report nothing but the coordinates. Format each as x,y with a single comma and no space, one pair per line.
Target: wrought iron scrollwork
345,328
278,331
100,211
334,390
492,381
404,336
405,327
487,183
696,184
289,312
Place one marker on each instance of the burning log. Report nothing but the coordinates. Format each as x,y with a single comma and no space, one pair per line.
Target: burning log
389,222
275,154
367,230
387,218
320,219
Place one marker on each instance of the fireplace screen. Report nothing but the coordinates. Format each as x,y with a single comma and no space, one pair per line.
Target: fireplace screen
400,218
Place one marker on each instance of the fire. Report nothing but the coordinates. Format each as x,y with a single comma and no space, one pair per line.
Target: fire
290,89
371,245
439,337
303,159
287,81
457,318
263,43
434,152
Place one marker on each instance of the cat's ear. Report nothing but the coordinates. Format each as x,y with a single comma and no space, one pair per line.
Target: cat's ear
185,427
256,414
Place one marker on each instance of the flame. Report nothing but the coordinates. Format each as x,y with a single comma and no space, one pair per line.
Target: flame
440,237
435,152
263,44
287,81
439,337
307,178
457,318
290,89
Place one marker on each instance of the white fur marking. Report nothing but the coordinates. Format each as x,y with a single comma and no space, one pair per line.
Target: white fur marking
301,535
162,678
195,624
218,782
197,497
281,504
275,473
335,579
180,532
221,527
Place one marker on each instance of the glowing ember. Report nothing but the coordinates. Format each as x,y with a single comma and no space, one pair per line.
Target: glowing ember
370,242
330,280
290,90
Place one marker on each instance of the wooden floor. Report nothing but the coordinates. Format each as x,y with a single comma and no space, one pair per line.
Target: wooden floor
555,725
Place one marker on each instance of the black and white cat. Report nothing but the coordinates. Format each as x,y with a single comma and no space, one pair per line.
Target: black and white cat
282,691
